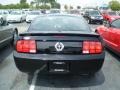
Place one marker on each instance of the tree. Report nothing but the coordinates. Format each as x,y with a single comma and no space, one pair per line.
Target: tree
66,7
44,7
23,6
32,4
71,7
114,5
23,1
56,5
78,7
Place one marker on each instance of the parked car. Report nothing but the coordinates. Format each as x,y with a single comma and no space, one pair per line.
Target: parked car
110,32
3,15
77,12
110,15
59,43
82,12
16,16
119,13
93,16
7,33
54,11
32,15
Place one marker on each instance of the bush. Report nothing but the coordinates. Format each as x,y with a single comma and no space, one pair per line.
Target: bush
114,5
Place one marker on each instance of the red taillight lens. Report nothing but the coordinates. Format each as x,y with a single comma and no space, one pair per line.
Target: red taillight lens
26,46
92,47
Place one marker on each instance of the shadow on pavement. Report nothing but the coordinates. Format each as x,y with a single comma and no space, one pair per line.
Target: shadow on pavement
113,54
69,81
5,52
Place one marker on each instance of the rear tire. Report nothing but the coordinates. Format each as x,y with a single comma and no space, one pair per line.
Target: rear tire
1,21
15,35
21,20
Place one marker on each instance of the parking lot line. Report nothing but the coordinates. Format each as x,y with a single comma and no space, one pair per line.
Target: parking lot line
32,86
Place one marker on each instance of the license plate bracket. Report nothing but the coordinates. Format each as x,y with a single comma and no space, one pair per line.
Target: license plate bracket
59,66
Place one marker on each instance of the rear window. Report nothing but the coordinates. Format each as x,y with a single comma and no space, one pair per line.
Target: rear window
74,12
112,13
94,13
16,13
59,23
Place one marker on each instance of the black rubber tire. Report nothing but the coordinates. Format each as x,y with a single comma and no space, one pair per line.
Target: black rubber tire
1,21
15,36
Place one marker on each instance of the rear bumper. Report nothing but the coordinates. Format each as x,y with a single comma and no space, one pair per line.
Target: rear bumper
77,63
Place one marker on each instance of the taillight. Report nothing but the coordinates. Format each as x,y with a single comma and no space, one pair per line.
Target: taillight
92,47
26,46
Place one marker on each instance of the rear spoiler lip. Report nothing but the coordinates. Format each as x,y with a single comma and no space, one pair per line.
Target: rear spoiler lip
49,34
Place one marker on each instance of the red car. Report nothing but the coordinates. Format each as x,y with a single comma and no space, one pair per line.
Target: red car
110,32
110,16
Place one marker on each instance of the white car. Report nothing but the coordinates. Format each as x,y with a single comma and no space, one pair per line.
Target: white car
16,16
3,15
32,15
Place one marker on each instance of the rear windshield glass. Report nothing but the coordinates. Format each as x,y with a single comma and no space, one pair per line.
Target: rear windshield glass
112,13
94,13
60,23
74,12
15,13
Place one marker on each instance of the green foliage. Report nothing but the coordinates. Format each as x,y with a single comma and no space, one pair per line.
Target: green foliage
71,7
56,5
114,5
23,6
78,7
40,4
15,6
44,3
44,7
65,7
22,1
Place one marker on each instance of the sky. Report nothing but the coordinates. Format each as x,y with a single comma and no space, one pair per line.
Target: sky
69,2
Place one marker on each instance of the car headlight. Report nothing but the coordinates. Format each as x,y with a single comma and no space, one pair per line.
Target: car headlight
92,17
101,17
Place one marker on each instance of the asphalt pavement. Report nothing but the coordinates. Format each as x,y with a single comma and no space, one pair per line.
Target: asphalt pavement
12,79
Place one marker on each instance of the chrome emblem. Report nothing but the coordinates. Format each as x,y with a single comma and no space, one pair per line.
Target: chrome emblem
59,46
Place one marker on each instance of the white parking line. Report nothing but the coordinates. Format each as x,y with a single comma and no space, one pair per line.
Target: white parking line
32,86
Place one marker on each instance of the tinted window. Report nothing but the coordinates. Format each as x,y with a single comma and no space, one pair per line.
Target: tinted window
116,23
5,12
15,13
112,13
74,12
94,13
60,23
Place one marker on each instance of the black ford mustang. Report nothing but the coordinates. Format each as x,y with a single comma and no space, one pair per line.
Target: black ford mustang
60,43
